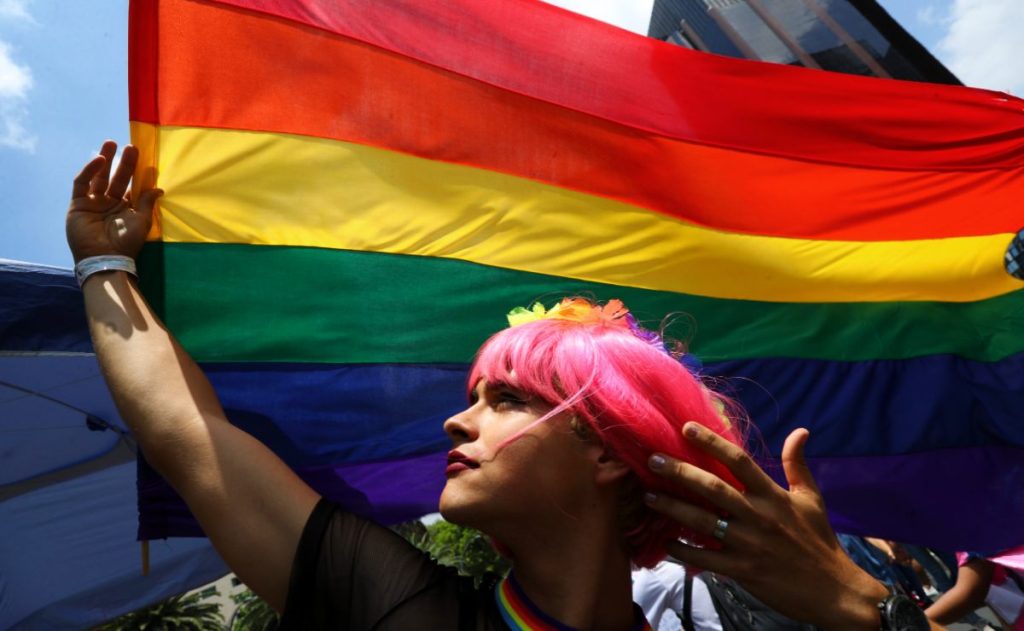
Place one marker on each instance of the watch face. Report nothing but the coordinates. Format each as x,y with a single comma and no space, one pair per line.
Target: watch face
903,614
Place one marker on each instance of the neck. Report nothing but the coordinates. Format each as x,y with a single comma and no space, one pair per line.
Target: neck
579,576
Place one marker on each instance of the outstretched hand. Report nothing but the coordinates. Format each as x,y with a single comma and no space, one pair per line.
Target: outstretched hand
778,544
102,218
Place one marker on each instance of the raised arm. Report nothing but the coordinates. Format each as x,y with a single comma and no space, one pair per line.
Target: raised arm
777,543
250,504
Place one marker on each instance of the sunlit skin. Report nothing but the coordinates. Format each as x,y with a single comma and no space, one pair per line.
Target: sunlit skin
548,467
549,496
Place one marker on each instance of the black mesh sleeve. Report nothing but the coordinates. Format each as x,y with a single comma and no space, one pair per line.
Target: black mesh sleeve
350,573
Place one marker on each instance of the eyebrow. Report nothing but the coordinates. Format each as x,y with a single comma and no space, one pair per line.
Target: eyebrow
504,385
496,386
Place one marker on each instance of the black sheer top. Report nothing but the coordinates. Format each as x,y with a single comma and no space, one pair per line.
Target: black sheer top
350,573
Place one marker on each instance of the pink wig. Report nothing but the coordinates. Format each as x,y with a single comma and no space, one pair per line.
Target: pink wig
628,392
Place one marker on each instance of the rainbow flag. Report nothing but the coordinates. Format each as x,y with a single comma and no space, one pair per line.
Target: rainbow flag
358,191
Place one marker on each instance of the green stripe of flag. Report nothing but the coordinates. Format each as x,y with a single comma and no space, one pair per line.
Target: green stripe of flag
230,302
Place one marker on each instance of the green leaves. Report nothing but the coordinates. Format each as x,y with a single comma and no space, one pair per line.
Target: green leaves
253,613
186,612
464,549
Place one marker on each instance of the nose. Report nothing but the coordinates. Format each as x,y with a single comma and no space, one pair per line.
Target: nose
460,428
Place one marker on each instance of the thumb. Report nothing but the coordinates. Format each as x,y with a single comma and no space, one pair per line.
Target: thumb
147,200
798,474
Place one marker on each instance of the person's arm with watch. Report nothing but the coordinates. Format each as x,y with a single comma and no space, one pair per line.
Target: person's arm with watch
778,543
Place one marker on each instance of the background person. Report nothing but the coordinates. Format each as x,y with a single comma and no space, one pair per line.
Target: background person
668,593
981,581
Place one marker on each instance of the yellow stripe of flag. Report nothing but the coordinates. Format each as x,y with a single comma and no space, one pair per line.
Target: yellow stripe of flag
346,196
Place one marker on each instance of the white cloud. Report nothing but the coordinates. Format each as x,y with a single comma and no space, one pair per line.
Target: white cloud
929,15
15,83
15,10
984,45
15,80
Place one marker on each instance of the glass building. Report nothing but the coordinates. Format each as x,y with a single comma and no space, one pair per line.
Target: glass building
854,36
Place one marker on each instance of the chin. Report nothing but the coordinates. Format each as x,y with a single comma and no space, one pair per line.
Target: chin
461,508
451,508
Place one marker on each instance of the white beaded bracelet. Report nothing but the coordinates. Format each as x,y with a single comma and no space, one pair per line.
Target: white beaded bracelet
105,263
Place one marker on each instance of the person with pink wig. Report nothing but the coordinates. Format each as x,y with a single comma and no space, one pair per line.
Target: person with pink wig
586,448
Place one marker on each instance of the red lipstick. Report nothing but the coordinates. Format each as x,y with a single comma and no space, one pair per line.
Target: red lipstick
458,461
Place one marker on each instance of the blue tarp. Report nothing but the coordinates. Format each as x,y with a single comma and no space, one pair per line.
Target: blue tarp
68,517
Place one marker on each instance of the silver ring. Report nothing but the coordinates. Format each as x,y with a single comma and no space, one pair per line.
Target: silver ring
720,527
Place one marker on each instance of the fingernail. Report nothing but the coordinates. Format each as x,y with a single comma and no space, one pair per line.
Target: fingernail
650,498
691,429
657,461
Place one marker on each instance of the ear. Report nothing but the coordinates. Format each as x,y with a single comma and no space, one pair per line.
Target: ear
608,469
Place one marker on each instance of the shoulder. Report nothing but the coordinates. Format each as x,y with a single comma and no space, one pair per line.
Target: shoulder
352,573
348,570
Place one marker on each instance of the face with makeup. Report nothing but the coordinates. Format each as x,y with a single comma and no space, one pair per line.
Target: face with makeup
522,476
506,467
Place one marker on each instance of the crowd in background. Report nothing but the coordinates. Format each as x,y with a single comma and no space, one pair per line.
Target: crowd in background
949,587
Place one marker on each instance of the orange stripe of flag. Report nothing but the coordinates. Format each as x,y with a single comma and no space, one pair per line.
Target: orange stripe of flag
358,93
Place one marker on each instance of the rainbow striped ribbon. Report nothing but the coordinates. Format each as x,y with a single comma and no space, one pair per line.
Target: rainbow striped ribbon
520,614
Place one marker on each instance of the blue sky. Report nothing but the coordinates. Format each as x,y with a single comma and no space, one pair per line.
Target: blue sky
74,55
63,89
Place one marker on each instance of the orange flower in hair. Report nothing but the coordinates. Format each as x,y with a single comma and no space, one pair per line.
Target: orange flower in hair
613,313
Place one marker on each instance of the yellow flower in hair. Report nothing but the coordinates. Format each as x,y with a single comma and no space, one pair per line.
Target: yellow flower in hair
522,315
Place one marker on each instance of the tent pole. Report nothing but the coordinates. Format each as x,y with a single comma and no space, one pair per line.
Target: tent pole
145,556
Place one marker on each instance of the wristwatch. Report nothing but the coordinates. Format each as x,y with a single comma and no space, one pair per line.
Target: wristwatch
899,613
